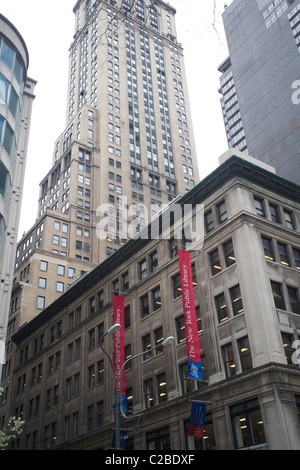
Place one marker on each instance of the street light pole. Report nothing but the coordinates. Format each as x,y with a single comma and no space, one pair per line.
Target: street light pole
116,397
118,379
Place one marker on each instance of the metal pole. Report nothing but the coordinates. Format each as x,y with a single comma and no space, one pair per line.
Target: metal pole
117,395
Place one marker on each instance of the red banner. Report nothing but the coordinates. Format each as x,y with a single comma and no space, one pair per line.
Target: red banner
190,318
119,350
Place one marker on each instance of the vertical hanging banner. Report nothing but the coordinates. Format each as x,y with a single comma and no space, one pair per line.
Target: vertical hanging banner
119,348
196,424
190,318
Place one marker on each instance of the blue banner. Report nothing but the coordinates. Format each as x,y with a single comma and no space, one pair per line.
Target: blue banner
197,418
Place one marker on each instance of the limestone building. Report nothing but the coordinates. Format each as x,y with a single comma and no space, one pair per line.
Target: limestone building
246,286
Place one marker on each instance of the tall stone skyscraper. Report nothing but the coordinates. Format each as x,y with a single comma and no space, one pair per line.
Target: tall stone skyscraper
260,82
127,149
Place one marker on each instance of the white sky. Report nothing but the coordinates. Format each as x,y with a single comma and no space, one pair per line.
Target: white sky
48,28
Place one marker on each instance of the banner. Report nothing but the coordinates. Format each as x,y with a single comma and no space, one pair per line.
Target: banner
196,424
190,318
119,349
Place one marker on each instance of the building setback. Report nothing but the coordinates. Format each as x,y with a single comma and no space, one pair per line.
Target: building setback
259,82
16,97
246,286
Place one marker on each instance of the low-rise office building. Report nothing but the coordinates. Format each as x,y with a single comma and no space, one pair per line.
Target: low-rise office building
246,287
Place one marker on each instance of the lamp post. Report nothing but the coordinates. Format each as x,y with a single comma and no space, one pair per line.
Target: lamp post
116,397
118,387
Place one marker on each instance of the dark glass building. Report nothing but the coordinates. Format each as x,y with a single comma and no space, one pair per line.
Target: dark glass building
260,82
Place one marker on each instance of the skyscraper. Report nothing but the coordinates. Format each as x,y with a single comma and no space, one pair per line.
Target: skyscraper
16,97
127,149
259,82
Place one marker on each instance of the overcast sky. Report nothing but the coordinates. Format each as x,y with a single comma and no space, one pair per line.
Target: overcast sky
48,28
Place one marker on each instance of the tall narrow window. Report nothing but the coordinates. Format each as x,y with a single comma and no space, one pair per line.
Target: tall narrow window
245,353
221,308
268,248
229,253
144,306
294,300
148,391
146,343
283,254
162,388
215,262
222,212
229,362
259,207
278,295
275,215
209,222
236,299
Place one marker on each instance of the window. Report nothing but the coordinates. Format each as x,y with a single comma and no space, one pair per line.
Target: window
60,270
92,305
144,306
229,362
162,388
187,384
287,342
146,345
221,307
209,222
268,248
259,207
289,219
143,269
100,375
236,300
229,253
71,273
247,424
215,262
59,287
125,282
148,393
44,266
40,302
294,299
278,295
283,254
158,337
222,213
156,299
296,255
153,262
177,291
159,439
42,283
275,215
245,354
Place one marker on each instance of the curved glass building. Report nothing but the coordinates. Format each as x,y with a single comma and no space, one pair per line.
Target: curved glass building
16,96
